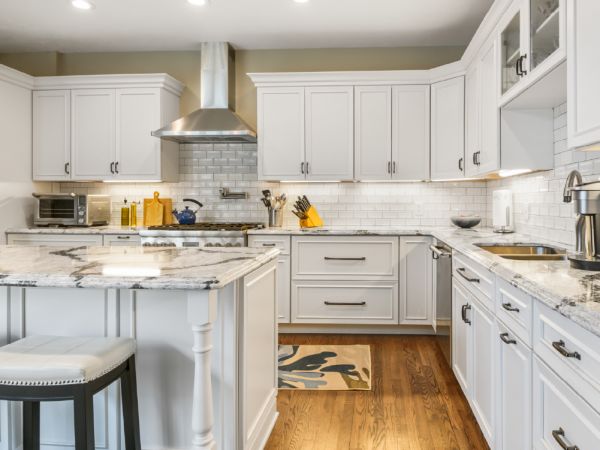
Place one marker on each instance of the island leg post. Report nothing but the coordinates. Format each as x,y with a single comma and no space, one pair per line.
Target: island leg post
202,312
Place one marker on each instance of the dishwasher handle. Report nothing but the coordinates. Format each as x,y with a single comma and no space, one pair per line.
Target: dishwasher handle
437,252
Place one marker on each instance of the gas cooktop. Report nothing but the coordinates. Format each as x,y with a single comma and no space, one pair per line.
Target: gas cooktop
209,226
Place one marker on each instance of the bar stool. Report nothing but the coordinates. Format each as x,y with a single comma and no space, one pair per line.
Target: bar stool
52,368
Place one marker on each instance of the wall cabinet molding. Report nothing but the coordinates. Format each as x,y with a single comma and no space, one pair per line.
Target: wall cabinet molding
98,128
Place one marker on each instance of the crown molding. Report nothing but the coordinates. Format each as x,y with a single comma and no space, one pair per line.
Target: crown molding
15,77
154,80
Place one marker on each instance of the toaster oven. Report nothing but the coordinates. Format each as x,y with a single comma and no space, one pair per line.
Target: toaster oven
71,210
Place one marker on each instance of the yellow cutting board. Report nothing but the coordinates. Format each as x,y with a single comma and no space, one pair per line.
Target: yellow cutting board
154,211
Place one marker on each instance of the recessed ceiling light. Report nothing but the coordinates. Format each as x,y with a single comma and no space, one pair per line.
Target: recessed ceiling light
198,2
82,4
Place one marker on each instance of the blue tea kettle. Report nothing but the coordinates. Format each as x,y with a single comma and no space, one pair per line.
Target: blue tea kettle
187,216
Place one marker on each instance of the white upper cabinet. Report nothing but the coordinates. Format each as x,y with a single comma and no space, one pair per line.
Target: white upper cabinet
482,145
329,133
52,135
373,132
583,73
104,133
281,133
410,132
448,129
93,133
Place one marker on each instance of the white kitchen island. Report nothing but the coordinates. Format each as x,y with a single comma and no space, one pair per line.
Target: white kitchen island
206,330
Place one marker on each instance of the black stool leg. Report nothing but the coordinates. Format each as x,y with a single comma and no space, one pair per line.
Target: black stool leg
31,425
84,418
131,420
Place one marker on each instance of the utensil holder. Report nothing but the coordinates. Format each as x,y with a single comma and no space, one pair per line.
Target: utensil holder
275,218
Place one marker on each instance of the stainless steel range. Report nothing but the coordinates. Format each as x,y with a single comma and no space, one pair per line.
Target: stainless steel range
199,235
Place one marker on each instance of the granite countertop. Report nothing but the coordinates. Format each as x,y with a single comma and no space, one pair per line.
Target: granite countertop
107,229
573,293
128,267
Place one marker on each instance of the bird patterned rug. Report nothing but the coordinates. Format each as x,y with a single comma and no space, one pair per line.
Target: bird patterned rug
325,367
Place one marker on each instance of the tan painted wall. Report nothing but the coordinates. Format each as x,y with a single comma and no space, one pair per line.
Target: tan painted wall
185,66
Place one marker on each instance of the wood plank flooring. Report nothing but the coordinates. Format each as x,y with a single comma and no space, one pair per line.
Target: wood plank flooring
415,403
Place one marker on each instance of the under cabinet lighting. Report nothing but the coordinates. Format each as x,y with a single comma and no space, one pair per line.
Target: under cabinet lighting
197,2
512,172
82,4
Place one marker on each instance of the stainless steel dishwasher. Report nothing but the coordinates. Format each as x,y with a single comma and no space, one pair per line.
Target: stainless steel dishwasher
442,292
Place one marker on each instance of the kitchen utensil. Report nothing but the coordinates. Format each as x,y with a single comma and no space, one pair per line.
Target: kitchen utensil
266,202
275,218
187,216
167,208
153,211
502,217
465,221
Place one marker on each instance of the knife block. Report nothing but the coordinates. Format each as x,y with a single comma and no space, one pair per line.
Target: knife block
313,220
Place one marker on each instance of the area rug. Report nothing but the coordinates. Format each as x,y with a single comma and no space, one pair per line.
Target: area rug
325,367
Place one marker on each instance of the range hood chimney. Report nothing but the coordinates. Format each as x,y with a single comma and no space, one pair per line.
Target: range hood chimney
215,120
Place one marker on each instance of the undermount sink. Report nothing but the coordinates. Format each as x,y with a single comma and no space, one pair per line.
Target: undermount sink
526,252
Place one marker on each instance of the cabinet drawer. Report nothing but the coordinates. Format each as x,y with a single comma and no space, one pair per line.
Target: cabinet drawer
475,277
262,241
112,240
344,303
560,415
345,258
54,240
572,352
514,308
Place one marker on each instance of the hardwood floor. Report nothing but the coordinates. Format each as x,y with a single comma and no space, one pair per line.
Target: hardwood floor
415,403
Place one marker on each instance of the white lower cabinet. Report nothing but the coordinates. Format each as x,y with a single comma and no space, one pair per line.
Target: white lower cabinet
416,297
121,240
54,240
561,418
461,336
514,391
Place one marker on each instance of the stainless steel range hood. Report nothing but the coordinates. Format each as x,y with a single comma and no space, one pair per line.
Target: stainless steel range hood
215,120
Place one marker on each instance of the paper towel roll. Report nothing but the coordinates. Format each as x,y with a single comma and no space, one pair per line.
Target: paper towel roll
502,214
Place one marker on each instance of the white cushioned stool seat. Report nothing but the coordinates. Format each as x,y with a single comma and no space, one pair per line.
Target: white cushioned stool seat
51,360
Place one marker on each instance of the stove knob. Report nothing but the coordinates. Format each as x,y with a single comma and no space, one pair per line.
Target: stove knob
146,244
209,244
228,244
237,245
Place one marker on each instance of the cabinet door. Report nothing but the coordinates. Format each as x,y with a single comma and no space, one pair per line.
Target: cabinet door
416,297
51,135
281,133
283,289
448,129
583,73
472,116
373,132
137,151
93,133
511,40
461,336
410,132
545,30
514,391
483,354
330,133
488,158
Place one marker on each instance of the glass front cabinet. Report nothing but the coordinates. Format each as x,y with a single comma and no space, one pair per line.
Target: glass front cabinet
532,38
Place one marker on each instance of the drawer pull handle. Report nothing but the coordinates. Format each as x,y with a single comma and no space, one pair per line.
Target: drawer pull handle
470,278
509,307
345,303
463,313
331,258
559,346
506,339
269,245
558,437
123,237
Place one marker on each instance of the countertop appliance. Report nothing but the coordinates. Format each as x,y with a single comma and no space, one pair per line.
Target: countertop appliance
502,211
204,234
73,210
586,198
442,293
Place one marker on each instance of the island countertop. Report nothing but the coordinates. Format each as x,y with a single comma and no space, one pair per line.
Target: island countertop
128,267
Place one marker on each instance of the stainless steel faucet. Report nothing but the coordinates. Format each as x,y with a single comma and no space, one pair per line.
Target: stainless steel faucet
573,179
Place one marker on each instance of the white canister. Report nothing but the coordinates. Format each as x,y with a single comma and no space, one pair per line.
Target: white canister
502,214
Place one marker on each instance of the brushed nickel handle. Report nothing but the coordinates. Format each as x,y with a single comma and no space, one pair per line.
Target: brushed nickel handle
463,273
509,307
345,303
559,346
506,339
437,253
331,258
558,437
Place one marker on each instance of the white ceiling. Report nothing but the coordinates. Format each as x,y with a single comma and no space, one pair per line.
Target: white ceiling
122,25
